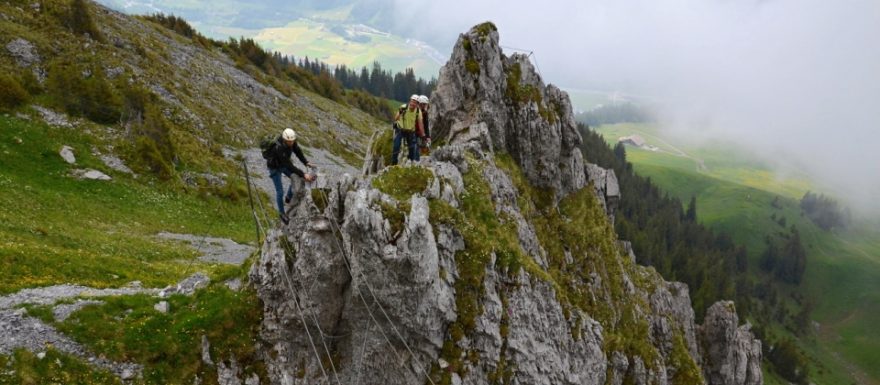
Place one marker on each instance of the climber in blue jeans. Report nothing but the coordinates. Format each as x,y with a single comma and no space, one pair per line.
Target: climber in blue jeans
279,163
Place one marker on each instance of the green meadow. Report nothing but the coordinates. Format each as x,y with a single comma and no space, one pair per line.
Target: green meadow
734,192
56,229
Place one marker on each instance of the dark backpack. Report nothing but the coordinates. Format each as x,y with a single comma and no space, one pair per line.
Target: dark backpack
267,145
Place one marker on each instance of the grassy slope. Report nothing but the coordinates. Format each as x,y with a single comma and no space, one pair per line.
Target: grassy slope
90,232
57,229
285,31
734,195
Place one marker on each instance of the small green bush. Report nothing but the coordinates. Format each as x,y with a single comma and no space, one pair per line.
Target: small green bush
79,20
151,158
30,83
13,94
383,145
154,151
90,96
485,29
472,66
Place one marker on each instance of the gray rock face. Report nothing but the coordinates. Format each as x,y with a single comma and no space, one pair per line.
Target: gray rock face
345,282
53,118
483,94
306,283
537,324
732,352
188,286
67,154
115,163
218,250
90,174
607,190
24,52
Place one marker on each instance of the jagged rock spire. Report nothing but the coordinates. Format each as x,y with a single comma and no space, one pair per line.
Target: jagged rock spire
501,101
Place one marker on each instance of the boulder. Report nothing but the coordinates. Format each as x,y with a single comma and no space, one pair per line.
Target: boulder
161,307
67,154
90,174
23,51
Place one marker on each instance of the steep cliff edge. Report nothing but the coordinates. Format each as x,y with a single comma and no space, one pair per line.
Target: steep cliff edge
494,261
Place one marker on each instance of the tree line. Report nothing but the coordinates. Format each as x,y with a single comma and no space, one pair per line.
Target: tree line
666,234
825,212
615,113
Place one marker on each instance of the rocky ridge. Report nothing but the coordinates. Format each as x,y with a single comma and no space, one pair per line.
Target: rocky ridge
493,261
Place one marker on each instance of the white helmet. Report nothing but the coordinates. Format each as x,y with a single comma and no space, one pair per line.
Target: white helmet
423,99
288,134
414,97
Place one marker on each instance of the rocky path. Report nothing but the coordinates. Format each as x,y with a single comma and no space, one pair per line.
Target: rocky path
18,330
214,250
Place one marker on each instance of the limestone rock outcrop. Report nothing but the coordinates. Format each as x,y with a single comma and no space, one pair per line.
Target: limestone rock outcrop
732,352
502,100
409,284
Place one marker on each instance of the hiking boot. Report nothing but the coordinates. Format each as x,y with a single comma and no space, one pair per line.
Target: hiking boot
285,219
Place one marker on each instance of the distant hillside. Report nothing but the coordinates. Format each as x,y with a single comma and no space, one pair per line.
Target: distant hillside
834,307
341,32
199,90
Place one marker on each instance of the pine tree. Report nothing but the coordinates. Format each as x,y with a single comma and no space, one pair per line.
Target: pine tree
80,20
692,210
793,262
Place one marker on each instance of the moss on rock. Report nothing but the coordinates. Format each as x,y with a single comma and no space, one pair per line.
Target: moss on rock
401,182
484,29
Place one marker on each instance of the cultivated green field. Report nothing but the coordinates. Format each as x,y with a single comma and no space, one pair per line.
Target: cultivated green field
320,40
734,193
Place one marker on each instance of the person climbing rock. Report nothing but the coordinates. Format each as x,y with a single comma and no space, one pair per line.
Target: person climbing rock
407,125
425,141
278,162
